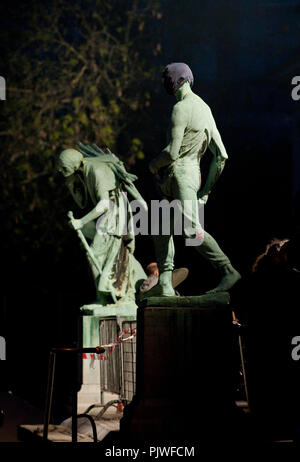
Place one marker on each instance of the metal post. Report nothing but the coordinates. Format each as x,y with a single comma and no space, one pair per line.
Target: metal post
50,384
74,402
49,394
236,323
244,370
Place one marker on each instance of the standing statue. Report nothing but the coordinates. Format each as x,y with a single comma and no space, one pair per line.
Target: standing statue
99,182
193,130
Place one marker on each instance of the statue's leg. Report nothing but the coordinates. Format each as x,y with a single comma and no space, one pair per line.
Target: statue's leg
208,248
164,251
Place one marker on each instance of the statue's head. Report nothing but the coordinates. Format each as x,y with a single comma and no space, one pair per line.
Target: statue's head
175,75
69,161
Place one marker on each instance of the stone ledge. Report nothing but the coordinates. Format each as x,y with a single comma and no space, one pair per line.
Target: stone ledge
118,309
220,299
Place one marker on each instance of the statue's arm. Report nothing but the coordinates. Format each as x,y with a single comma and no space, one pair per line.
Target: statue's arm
101,207
179,121
217,164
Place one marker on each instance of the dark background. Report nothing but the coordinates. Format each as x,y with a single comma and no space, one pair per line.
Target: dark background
243,56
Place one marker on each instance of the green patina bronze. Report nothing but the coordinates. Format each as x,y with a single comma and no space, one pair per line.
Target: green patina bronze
100,184
177,170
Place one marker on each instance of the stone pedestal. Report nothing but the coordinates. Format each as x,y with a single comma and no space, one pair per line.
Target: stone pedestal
184,370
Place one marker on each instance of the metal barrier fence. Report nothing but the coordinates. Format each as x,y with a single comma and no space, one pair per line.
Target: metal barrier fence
118,370
128,360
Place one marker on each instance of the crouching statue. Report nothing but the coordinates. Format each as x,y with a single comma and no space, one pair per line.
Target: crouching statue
101,186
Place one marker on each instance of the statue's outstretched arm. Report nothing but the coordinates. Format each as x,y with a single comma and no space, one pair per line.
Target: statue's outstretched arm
171,152
95,213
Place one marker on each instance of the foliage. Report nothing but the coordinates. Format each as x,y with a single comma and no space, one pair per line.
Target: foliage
78,71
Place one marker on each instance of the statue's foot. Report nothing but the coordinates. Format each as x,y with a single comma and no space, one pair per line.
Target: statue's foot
165,287
229,279
159,290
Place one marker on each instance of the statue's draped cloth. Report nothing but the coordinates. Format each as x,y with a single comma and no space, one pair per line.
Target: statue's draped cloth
111,237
